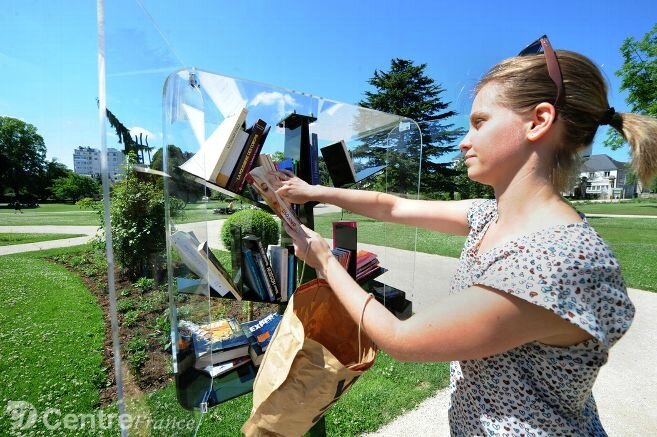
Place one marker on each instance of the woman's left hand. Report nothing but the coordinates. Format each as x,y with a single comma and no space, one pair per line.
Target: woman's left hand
313,250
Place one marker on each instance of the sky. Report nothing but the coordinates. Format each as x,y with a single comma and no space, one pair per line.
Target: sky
49,51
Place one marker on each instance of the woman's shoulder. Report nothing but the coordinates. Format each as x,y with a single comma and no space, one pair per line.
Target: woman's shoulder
480,212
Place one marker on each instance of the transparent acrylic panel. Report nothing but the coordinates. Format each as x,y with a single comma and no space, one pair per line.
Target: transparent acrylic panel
197,104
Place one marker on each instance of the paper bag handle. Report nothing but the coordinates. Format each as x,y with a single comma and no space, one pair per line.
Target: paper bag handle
360,324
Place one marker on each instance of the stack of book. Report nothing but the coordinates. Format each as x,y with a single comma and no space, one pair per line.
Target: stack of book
229,153
224,345
367,266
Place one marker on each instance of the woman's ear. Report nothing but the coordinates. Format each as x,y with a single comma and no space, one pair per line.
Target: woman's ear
543,117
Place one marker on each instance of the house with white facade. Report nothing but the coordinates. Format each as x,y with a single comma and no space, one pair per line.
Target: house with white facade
86,161
607,178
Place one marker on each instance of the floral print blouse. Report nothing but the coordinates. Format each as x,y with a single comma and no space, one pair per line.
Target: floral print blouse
536,389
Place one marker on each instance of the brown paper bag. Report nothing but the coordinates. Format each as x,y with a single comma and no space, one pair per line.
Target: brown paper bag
313,358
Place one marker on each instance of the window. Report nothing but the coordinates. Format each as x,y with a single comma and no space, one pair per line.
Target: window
606,174
591,175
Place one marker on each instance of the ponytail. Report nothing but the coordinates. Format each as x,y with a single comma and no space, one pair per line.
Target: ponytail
640,132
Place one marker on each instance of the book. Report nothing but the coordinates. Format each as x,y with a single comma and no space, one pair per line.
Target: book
252,275
207,162
339,164
279,262
231,161
219,270
217,369
314,160
260,332
219,341
261,180
187,246
265,161
262,260
345,236
287,164
343,256
291,269
251,149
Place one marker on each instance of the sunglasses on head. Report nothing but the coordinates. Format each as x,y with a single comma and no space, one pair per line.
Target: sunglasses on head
542,45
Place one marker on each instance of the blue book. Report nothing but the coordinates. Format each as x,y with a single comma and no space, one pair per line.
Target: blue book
261,331
252,275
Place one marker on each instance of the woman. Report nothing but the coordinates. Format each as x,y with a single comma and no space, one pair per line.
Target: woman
538,298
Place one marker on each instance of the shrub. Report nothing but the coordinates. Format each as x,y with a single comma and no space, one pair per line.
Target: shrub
252,221
137,217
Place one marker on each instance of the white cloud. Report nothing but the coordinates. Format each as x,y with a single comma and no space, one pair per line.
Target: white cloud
136,130
274,98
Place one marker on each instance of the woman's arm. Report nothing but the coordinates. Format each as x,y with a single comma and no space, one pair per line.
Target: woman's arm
475,323
445,217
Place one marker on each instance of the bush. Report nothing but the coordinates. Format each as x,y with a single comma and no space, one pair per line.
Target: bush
137,217
252,221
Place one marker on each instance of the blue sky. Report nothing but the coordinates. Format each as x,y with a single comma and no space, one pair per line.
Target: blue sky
48,55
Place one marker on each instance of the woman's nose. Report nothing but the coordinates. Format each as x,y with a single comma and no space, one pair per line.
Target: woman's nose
465,143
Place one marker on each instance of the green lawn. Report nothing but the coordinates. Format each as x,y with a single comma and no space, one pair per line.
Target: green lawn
634,241
631,207
7,239
71,215
51,307
51,340
384,392
41,217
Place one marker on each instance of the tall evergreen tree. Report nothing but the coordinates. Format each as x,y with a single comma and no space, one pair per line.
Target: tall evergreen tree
407,91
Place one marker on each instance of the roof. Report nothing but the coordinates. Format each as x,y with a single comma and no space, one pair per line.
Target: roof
602,163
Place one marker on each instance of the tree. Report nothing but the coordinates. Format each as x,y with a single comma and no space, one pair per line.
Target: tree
75,187
22,156
639,78
468,188
54,170
180,187
405,90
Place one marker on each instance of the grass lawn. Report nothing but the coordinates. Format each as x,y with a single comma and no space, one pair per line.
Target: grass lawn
49,216
634,242
52,306
631,207
7,239
384,392
51,339
70,215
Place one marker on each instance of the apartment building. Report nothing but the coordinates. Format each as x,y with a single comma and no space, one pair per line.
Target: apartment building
86,161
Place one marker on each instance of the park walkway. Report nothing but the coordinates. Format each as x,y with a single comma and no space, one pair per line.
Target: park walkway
625,390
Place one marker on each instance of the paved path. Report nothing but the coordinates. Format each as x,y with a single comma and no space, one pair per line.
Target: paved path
88,231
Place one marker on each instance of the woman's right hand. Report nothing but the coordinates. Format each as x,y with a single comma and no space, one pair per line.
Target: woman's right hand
294,189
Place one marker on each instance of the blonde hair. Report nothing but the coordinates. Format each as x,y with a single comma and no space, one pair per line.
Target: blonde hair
525,82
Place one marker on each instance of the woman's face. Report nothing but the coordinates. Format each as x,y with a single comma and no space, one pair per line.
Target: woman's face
493,146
